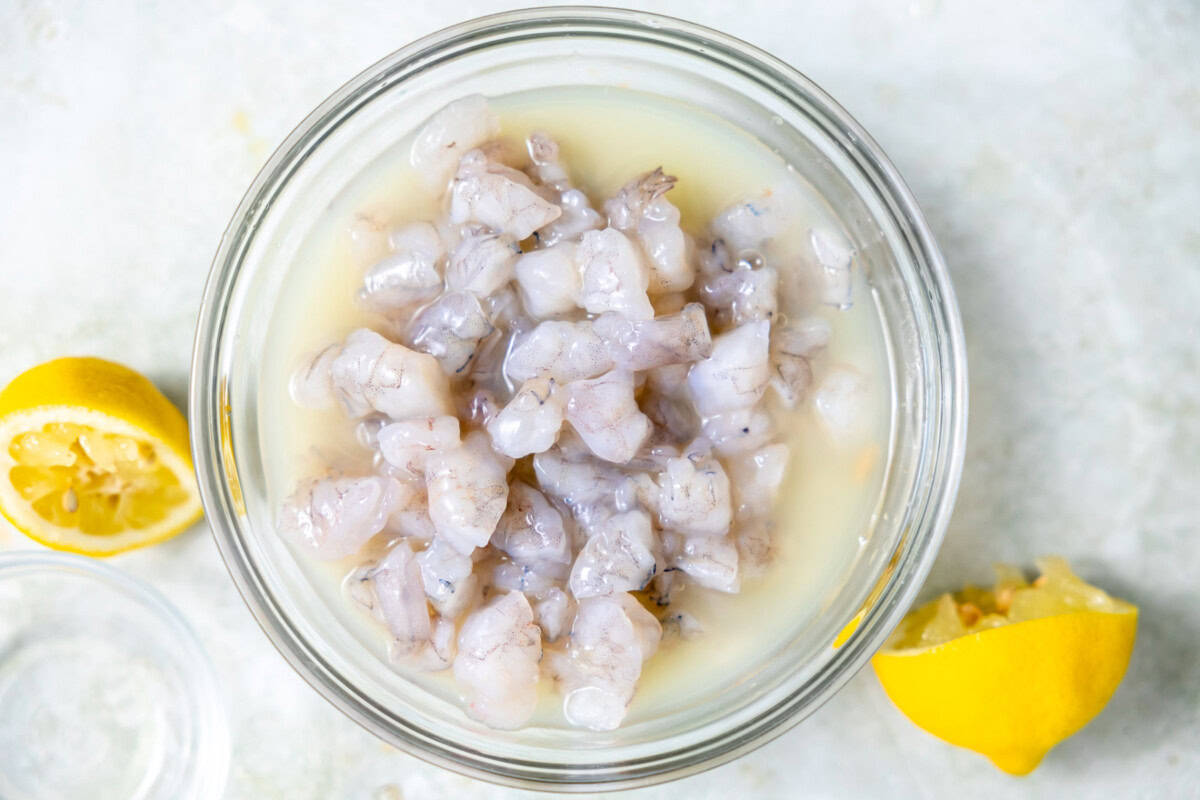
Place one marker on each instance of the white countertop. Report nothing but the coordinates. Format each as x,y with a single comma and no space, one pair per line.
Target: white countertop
1055,147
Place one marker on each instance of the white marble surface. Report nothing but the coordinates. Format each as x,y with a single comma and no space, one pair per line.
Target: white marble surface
1055,147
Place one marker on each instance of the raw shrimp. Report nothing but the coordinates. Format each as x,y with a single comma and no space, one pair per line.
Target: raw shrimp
482,263
586,485
694,494
736,374
748,225
738,430
468,490
553,609
334,517
709,561
834,259
578,215
448,579
409,443
793,347
642,208
759,475
610,639
744,295
549,280
565,351
457,128
311,385
666,400
450,329
400,599
613,275
492,195
371,373
531,420
645,344
619,557
606,416
531,530
841,402
753,541
410,275
499,647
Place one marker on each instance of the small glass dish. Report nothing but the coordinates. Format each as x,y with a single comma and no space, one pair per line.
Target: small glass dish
571,46
105,692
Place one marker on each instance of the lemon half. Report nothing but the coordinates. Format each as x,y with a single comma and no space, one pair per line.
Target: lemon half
93,458
1013,671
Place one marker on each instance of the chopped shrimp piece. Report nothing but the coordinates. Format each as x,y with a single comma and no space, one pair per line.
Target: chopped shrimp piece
834,257
582,482
578,215
412,518
438,653
645,344
468,491
736,374
605,414
619,557
549,280
793,346
641,207
739,430
531,530
667,401
753,541
400,599
371,373
613,276
531,421
493,195
499,647
478,407
457,128
758,477
311,385
744,295
368,236
450,329
747,225
410,275
448,579
409,443
553,609
610,639
530,579
709,561
482,263
841,401
334,517
694,494
565,351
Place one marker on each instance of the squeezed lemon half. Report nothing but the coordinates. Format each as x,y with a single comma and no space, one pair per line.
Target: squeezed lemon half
1012,671
93,458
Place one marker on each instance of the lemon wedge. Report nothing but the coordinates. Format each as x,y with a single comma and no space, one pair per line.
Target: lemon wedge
93,458
1012,671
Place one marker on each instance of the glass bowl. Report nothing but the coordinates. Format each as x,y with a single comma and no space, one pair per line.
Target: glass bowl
105,692
558,47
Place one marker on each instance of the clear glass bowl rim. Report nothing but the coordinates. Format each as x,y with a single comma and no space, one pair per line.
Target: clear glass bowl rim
207,776
208,409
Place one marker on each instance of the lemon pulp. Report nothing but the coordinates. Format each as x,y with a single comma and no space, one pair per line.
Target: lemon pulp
93,458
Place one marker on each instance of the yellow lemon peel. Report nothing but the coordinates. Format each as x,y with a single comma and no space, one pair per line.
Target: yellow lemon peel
1012,671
